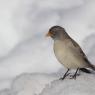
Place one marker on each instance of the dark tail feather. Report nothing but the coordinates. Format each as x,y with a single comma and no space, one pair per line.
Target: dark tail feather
85,70
92,67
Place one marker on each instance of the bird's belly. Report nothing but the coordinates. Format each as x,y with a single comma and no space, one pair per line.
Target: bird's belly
66,57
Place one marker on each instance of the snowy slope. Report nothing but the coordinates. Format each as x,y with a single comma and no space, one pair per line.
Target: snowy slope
49,84
83,85
24,23
29,84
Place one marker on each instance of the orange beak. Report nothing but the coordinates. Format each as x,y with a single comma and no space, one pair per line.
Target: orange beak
49,34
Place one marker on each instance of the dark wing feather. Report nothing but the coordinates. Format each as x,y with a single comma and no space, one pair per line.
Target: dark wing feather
80,51
85,70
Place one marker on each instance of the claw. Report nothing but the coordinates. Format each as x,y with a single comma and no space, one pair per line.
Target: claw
74,76
64,77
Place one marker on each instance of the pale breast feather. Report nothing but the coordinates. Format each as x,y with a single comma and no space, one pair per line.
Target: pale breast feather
67,55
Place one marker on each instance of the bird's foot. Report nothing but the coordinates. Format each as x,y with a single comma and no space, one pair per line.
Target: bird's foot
62,78
74,76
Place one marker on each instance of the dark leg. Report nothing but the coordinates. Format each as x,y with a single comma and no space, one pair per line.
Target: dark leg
65,75
74,76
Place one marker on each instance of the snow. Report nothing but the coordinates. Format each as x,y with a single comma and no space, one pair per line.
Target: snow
29,84
5,92
83,85
22,59
24,47
49,84
88,48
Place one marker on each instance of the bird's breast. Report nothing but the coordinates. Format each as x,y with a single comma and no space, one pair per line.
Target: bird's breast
61,51
65,55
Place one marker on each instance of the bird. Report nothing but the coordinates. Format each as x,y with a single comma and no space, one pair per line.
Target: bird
68,52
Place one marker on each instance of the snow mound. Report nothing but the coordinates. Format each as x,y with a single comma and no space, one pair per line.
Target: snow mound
49,84
5,92
83,85
30,84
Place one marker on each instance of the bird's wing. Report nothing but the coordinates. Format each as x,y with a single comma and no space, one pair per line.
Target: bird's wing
82,54
79,51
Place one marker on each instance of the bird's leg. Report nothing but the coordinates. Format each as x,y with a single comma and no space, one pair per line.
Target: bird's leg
74,76
65,75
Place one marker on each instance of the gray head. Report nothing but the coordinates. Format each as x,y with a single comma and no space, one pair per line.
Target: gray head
57,32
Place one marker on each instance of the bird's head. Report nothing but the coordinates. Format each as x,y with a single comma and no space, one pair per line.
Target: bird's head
56,32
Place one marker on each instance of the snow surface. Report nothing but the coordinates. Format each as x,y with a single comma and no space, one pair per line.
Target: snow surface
23,46
83,85
29,84
49,84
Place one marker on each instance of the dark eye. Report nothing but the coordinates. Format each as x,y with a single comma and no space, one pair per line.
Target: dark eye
54,33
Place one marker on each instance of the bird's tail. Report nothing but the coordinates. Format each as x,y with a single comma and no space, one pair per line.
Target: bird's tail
92,67
85,70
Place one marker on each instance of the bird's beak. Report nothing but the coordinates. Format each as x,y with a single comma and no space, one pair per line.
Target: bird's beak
48,34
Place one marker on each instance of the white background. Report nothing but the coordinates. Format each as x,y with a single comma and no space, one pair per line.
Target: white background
23,25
